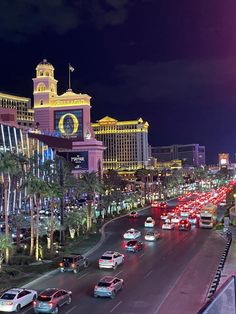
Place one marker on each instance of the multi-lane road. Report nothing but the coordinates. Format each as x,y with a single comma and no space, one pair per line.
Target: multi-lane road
169,276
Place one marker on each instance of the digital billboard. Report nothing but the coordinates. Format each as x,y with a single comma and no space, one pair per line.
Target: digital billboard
69,123
79,160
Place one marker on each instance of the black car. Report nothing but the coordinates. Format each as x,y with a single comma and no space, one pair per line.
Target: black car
134,246
184,224
73,262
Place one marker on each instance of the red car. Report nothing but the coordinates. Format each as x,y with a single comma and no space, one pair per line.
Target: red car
133,214
163,205
184,224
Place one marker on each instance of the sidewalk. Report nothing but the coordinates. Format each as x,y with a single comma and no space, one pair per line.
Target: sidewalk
230,263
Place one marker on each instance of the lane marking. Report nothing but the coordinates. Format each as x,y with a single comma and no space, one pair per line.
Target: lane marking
119,303
70,310
82,276
142,255
29,309
118,273
148,274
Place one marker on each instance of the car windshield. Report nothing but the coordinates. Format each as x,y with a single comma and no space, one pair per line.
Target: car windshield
133,213
131,243
130,231
68,259
44,298
8,296
150,233
104,284
106,257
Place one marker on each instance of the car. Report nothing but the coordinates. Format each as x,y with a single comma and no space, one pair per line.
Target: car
111,259
15,299
193,219
175,219
108,286
181,198
51,299
149,222
168,225
152,236
155,204
164,215
133,214
163,204
73,262
133,246
131,234
184,224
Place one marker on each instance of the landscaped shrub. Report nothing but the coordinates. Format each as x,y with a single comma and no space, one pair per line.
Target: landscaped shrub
21,260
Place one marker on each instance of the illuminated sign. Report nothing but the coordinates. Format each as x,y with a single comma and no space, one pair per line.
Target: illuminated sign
69,123
79,160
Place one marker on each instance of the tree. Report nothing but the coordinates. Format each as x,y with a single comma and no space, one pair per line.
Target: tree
47,228
112,180
89,184
5,245
74,220
9,167
18,222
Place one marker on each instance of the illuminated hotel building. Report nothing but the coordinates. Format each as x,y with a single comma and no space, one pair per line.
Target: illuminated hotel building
65,120
18,141
22,105
126,142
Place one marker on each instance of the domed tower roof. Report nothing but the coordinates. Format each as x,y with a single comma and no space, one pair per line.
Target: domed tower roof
45,64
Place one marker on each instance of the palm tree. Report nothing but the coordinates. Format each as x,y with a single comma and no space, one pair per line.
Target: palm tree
74,220
5,245
9,168
18,222
89,184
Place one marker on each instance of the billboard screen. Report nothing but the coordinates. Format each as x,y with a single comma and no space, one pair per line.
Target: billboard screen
79,160
69,123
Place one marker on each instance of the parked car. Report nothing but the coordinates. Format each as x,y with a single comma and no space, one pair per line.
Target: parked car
73,262
108,286
50,300
15,299
111,259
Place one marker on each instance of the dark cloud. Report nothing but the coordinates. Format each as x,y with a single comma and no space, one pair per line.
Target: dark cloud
183,82
21,19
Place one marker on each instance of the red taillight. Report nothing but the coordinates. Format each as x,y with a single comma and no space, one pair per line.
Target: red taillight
50,304
61,265
126,246
101,260
34,302
73,265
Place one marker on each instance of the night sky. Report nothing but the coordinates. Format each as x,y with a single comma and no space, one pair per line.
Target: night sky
171,62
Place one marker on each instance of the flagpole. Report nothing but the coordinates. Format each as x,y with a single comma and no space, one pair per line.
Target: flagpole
69,77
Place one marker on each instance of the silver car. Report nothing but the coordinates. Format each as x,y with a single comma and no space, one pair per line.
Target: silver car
50,300
108,286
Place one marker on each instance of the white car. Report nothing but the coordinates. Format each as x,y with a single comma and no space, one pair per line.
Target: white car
152,236
111,259
131,234
15,299
164,216
175,219
168,225
149,222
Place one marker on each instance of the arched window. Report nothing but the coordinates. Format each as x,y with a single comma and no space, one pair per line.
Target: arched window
46,73
41,102
52,88
40,73
41,87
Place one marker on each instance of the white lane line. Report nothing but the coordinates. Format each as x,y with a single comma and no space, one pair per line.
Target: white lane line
118,273
29,309
70,310
142,255
119,303
148,274
82,276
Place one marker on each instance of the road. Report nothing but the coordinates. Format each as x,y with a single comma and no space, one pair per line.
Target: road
169,276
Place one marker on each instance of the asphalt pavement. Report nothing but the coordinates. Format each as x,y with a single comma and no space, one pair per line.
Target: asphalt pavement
169,276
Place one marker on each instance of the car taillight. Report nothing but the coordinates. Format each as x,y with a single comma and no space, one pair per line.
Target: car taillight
73,265
50,304
126,245
34,302
61,265
101,260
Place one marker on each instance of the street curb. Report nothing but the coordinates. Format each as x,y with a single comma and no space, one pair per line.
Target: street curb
92,250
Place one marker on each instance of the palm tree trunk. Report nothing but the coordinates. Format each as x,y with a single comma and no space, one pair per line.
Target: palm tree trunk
51,227
89,215
32,227
37,228
17,237
7,252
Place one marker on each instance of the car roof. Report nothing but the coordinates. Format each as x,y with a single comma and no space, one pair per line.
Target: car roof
14,290
107,279
131,230
109,253
50,291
